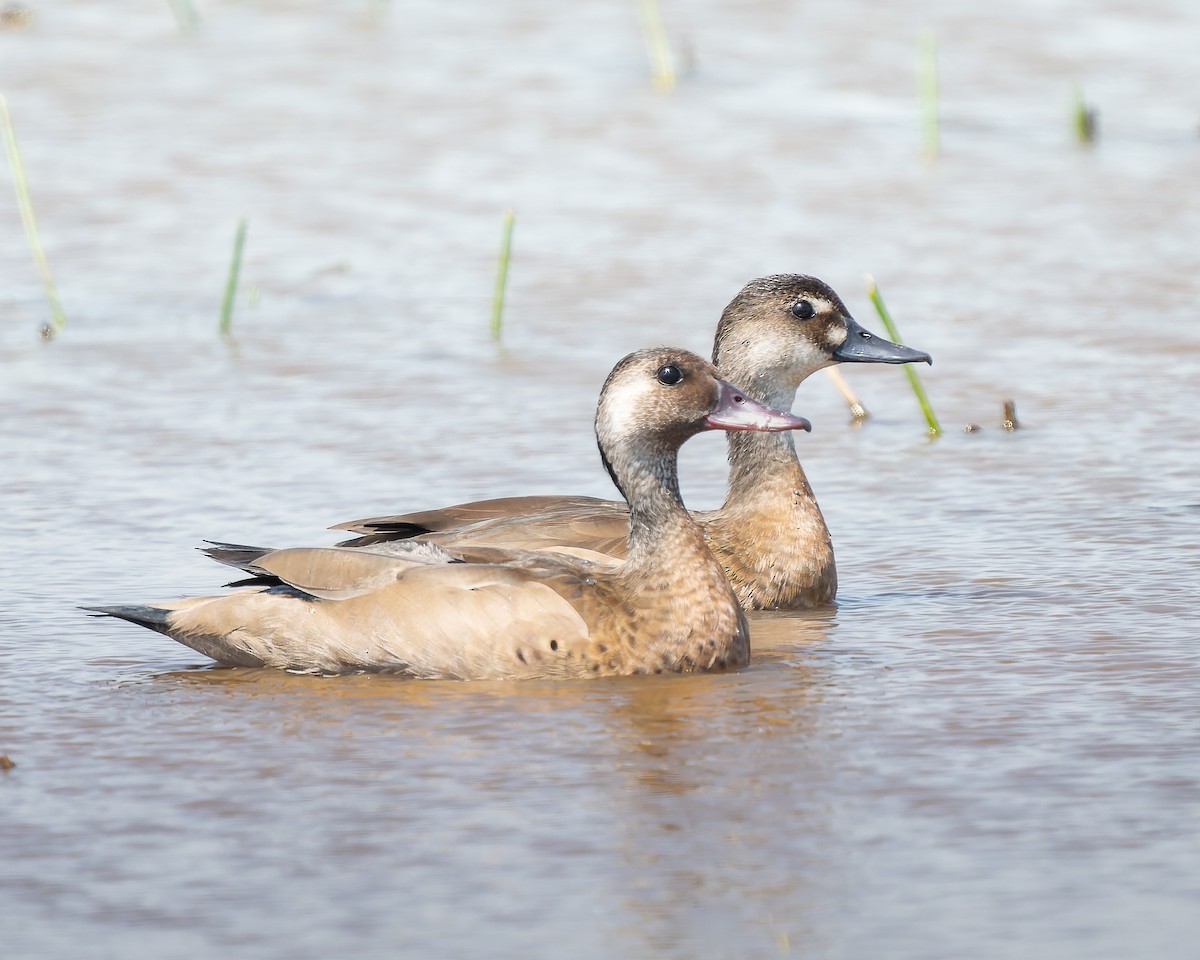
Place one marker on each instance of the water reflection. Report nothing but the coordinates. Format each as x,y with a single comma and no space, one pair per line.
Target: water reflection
711,772
666,792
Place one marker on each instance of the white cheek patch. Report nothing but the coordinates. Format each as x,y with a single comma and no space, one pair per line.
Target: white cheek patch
624,406
805,353
762,353
835,337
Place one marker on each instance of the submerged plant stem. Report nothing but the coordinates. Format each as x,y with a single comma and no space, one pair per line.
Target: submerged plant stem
914,380
235,268
502,275
57,319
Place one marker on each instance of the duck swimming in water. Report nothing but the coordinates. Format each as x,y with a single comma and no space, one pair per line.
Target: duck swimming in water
769,534
483,612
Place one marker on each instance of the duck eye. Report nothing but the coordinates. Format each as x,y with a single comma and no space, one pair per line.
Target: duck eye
803,310
669,375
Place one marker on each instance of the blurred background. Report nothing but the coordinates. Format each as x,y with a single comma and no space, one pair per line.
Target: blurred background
988,749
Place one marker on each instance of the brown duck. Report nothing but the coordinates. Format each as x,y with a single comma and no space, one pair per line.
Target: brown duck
769,534
487,613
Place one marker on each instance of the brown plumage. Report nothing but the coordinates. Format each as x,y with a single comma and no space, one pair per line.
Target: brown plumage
769,534
481,612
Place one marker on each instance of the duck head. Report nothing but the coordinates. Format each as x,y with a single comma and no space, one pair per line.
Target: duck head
779,330
654,400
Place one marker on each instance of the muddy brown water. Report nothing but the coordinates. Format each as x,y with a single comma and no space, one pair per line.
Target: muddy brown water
991,748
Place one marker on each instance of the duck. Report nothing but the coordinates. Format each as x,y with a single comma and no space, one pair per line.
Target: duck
487,613
769,533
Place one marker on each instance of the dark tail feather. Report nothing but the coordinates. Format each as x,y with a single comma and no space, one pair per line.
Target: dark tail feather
155,618
384,532
235,554
244,558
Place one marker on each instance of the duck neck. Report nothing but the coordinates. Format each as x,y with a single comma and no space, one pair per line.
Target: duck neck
678,604
760,463
655,505
755,459
658,520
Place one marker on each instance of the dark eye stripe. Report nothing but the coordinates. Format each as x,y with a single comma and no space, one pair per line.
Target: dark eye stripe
669,375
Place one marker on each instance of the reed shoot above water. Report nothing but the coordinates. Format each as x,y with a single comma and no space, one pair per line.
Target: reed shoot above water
914,380
928,70
502,275
858,412
58,319
1083,118
231,282
662,63
186,15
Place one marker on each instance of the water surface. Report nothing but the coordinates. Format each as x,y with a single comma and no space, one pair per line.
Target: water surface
988,749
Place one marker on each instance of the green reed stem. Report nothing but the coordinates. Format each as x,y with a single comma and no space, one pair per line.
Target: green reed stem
914,380
502,275
929,93
186,15
231,282
662,63
1083,118
58,318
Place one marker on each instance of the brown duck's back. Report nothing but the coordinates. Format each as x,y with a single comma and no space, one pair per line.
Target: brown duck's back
518,523
776,549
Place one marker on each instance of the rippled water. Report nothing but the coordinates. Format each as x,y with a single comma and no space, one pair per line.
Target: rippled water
989,749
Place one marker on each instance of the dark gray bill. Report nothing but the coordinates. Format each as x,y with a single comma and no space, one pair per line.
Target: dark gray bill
862,346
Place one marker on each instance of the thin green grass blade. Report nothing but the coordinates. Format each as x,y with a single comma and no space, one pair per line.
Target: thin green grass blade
502,275
231,282
186,15
929,94
914,380
58,319
1083,118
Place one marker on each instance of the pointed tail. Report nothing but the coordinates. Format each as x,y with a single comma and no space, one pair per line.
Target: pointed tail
154,618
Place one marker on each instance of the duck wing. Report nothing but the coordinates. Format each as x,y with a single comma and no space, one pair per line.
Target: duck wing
329,572
336,573
343,611
519,523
